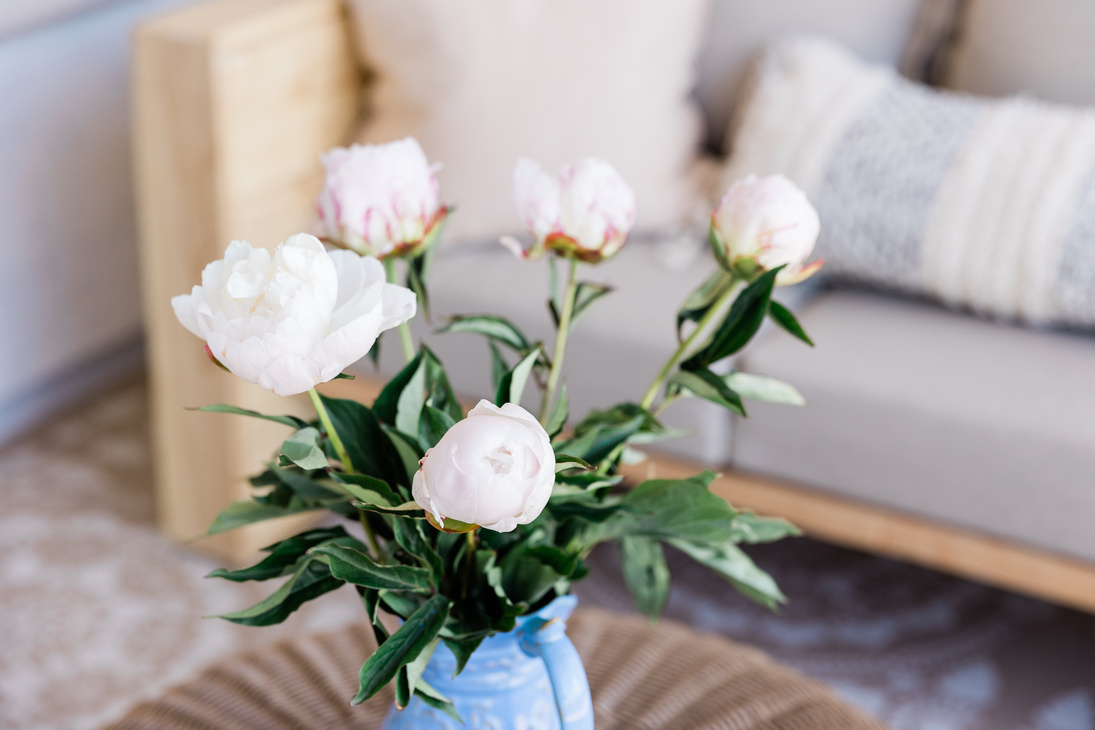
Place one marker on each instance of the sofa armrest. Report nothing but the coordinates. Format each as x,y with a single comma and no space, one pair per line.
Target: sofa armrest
233,101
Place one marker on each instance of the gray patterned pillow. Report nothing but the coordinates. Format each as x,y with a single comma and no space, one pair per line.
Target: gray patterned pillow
987,204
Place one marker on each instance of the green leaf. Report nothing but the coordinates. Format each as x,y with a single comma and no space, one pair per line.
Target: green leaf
409,640
345,376
782,316
750,528
367,489
703,298
409,674
601,432
248,511
705,384
563,461
283,555
306,489
731,563
411,536
436,700
763,388
291,421
498,365
434,424
354,566
386,404
498,329
645,573
585,294
559,413
745,317
462,649
513,383
408,412
310,580
302,448
366,442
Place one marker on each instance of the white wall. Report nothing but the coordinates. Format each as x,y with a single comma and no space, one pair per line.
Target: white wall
69,296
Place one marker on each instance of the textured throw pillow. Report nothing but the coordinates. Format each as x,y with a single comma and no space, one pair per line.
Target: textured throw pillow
481,83
981,203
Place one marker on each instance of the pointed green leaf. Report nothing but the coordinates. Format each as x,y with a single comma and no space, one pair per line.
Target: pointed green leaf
311,580
512,387
563,461
745,317
560,412
731,563
437,701
703,298
409,674
369,449
763,388
248,511
498,329
705,384
302,448
283,555
782,316
386,404
498,365
645,573
462,649
402,647
358,568
408,410
291,421
750,528
367,489
434,424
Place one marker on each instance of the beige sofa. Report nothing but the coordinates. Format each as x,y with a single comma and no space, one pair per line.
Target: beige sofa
962,445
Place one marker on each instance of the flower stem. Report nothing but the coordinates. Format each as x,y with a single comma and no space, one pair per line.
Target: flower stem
347,465
560,341
701,330
332,434
472,538
404,328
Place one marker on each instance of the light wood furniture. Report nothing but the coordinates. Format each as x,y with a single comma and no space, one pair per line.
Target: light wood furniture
234,100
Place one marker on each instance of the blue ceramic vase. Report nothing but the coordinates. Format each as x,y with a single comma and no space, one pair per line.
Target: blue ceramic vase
529,678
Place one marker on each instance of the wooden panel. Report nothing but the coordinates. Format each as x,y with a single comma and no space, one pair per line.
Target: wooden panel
944,547
233,103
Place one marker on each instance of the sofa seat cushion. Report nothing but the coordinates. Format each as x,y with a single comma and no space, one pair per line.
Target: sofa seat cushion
947,416
615,349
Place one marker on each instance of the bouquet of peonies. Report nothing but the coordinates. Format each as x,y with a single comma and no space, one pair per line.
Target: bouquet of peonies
468,522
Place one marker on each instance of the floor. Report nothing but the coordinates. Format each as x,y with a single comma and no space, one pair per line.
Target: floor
97,611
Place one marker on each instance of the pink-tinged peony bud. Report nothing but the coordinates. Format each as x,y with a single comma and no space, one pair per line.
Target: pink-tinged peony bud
380,200
586,211
766,222
494,469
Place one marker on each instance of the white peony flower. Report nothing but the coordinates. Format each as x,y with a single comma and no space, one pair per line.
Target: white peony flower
494,469
291,320
585,211
380,200
770,222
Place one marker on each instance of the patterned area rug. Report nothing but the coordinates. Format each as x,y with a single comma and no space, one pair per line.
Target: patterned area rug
97,611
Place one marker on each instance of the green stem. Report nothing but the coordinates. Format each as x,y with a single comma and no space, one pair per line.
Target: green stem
701,329
469,558
404,329
560,341
332,434
347,465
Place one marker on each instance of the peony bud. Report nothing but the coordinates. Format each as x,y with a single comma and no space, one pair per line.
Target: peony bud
381,200
294,319
494,469
766,222
586,211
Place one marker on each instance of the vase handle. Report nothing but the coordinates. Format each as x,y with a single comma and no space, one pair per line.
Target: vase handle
546,638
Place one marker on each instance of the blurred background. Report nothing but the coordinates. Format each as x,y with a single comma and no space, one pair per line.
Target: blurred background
943,467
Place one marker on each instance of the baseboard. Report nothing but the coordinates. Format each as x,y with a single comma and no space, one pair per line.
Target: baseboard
121,361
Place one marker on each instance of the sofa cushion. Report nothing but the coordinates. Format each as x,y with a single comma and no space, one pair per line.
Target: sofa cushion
1044,48
737,30
985,204
481,83
908,405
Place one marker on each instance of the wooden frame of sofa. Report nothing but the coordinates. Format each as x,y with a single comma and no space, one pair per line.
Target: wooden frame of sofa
233,101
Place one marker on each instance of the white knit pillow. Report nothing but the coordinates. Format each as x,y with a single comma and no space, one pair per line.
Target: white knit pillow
481,83
985,204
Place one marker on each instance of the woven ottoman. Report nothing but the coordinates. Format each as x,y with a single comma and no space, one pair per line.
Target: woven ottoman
642,676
